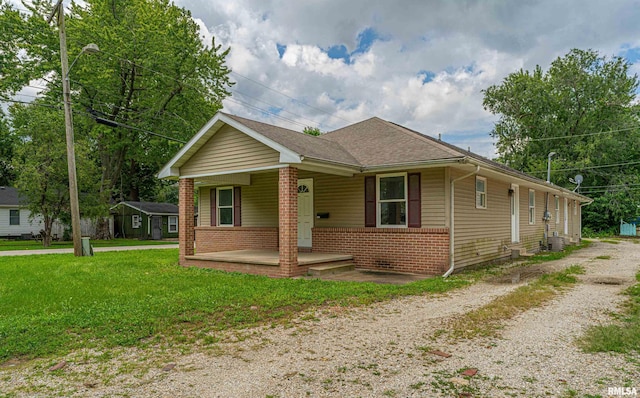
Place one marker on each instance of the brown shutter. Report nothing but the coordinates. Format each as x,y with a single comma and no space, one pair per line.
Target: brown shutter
370,201
415,214
213,207
237,220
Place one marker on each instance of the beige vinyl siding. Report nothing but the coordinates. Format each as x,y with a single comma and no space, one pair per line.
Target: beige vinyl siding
260,201
482,234
432,187
204,206
531,234
341,197
229,149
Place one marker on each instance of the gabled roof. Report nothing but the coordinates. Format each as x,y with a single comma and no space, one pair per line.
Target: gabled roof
371,145
9,196
151,208
303,144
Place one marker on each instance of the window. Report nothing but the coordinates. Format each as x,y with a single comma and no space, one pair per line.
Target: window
135,221
14,217
532,206
575,207
392,200
557,210
481,193
173,224
225,206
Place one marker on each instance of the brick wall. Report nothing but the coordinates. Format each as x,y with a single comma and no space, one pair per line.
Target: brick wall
216,239
416,250
288,221
185,217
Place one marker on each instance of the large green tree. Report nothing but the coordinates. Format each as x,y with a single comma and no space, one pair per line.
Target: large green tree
7,143
153,83
41,166
584,109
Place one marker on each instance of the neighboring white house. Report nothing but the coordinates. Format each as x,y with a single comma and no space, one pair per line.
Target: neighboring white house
14,216
15,220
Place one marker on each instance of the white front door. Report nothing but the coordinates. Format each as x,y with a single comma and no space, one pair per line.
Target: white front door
305,211
515,214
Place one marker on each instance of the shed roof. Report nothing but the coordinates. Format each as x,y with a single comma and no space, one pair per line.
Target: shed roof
151,208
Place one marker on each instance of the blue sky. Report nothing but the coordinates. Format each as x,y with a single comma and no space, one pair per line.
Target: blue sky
423,64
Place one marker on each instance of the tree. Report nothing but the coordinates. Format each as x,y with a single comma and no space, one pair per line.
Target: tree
153,75
42,174
315,131
583,108
7,143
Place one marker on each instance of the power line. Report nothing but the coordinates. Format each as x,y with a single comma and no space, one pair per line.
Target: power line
588,167
583,135
291,98
102,121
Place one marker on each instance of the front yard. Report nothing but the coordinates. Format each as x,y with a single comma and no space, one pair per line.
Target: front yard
54,304
6,245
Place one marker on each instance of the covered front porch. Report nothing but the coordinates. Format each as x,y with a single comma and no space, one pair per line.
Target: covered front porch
267,262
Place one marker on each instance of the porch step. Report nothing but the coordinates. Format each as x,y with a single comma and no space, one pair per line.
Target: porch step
331,268
517,252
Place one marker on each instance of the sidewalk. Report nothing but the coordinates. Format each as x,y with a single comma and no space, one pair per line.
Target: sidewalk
95,250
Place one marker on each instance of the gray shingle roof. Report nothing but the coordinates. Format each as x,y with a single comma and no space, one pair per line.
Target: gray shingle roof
152,207
376,142
9,196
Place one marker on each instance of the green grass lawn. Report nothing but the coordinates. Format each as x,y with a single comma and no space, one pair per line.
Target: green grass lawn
34,245
54,304
622,336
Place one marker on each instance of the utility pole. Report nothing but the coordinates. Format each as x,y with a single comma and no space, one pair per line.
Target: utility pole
68,118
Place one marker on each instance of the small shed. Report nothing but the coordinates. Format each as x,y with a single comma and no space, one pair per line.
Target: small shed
145,220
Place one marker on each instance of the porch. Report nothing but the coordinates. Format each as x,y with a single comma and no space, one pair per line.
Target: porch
267,262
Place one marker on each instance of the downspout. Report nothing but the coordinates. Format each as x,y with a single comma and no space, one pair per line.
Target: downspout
452,220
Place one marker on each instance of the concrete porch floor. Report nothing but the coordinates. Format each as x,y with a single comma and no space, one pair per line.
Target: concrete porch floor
267,257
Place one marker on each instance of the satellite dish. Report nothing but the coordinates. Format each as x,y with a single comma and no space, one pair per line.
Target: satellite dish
579,179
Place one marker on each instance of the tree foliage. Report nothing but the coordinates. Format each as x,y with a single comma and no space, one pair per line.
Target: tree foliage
584,109
153,75
41,165
314,131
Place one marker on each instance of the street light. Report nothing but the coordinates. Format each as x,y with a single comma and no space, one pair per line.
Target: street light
549,165
68,119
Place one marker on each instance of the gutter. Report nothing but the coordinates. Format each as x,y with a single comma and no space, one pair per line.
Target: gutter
452,220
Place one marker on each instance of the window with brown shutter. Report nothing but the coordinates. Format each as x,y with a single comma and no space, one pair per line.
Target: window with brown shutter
370,201
236,207
415,214
212,207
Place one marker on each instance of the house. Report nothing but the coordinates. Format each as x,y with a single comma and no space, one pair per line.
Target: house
277,202
15,218
145,220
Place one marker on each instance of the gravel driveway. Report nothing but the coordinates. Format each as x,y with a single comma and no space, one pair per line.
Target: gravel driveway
384,350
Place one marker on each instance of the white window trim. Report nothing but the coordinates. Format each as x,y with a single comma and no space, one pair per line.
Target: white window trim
532,215
135,221
557,204
479,193
225,207
174,224
19,215
378,201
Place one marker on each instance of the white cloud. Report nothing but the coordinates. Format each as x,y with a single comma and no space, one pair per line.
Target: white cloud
465,47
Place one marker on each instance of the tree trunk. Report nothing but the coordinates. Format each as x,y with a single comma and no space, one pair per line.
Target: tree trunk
102,228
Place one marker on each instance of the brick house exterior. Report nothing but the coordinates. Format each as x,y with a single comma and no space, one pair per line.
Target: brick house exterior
389,197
